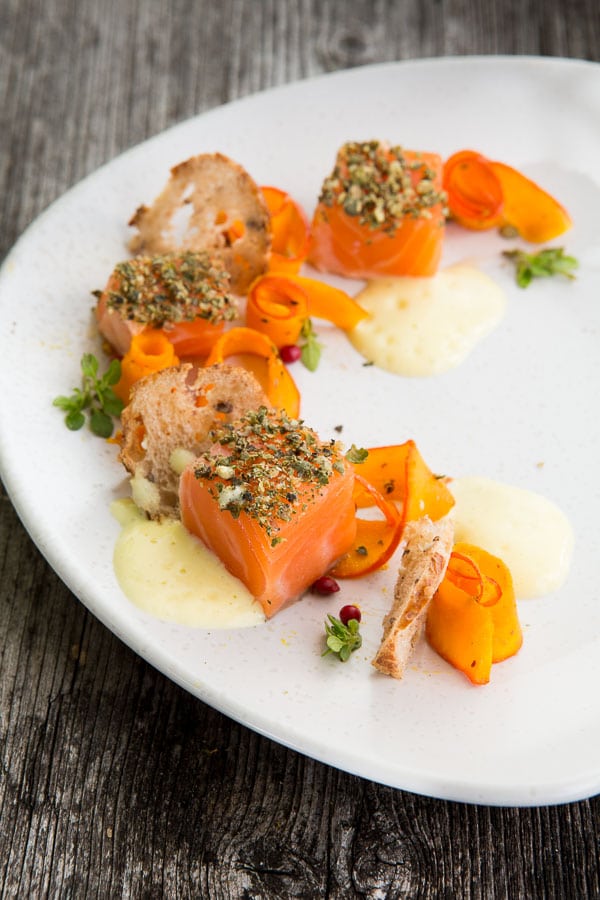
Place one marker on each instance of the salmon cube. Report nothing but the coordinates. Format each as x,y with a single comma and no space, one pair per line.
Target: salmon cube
273,502
381,212
187,295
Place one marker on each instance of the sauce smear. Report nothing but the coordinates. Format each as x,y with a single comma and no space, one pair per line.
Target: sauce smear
425,326
526,530
167,572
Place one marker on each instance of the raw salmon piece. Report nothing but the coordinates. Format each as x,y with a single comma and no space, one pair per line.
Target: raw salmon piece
273,502
185,295
381,212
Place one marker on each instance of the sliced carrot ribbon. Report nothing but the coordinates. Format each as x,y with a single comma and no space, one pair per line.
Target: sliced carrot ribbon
475,195
536,214
376,539
290,231
397,481
401,474
330,303
472,621
466,575
277,382
483,193
279,305
278,308
149,351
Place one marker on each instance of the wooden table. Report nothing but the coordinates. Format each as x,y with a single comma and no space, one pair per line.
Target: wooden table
115,782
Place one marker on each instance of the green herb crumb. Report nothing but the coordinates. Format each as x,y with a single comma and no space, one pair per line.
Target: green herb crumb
379,185
269,466
156,290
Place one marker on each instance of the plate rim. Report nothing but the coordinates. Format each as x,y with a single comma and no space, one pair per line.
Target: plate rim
579,789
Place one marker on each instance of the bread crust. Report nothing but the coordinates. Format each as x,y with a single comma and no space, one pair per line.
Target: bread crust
427,549
213,194
174,410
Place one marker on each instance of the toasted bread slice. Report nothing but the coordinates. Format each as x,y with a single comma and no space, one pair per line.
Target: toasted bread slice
427,549
209,203
168,420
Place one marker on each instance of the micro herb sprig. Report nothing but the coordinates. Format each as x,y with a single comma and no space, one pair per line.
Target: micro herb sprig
96,396
342,640
310,354
544,264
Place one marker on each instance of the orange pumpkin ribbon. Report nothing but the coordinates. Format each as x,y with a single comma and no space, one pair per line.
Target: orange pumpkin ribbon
376,539
400,473
483,193
472,621
279,305
277,382
193,338
399,483
289,230
475,196
149,351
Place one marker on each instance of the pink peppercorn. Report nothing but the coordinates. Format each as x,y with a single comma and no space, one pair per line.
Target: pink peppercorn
350,612
290,353
325,585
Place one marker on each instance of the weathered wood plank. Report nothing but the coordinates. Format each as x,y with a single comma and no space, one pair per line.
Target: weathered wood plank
114,782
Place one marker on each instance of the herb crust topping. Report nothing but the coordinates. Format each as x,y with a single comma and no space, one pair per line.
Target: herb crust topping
380,185
265,463
154,290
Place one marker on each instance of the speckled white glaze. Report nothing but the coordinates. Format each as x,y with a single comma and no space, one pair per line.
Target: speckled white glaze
523,409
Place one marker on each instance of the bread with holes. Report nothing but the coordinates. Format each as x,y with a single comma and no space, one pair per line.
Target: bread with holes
167,422
209,203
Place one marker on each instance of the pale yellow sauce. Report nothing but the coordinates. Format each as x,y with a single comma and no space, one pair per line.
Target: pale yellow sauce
424,326
167,572
526,530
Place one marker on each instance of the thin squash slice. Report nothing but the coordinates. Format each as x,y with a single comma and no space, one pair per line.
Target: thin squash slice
472,621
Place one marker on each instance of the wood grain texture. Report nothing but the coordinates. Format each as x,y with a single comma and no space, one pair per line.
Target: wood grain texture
114,782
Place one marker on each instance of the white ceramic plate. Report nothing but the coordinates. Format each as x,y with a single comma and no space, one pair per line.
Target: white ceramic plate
527,396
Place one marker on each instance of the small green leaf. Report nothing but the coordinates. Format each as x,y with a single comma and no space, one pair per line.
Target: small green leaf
544,264
524,276
113,373
334,643
89,365
66,403
111,404
310,351
75,420
101,424
310,355
96,394
342,639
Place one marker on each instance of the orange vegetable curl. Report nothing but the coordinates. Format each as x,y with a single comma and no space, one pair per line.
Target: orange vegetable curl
150,351
472,621
250,347
486,194
290,232
279,305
